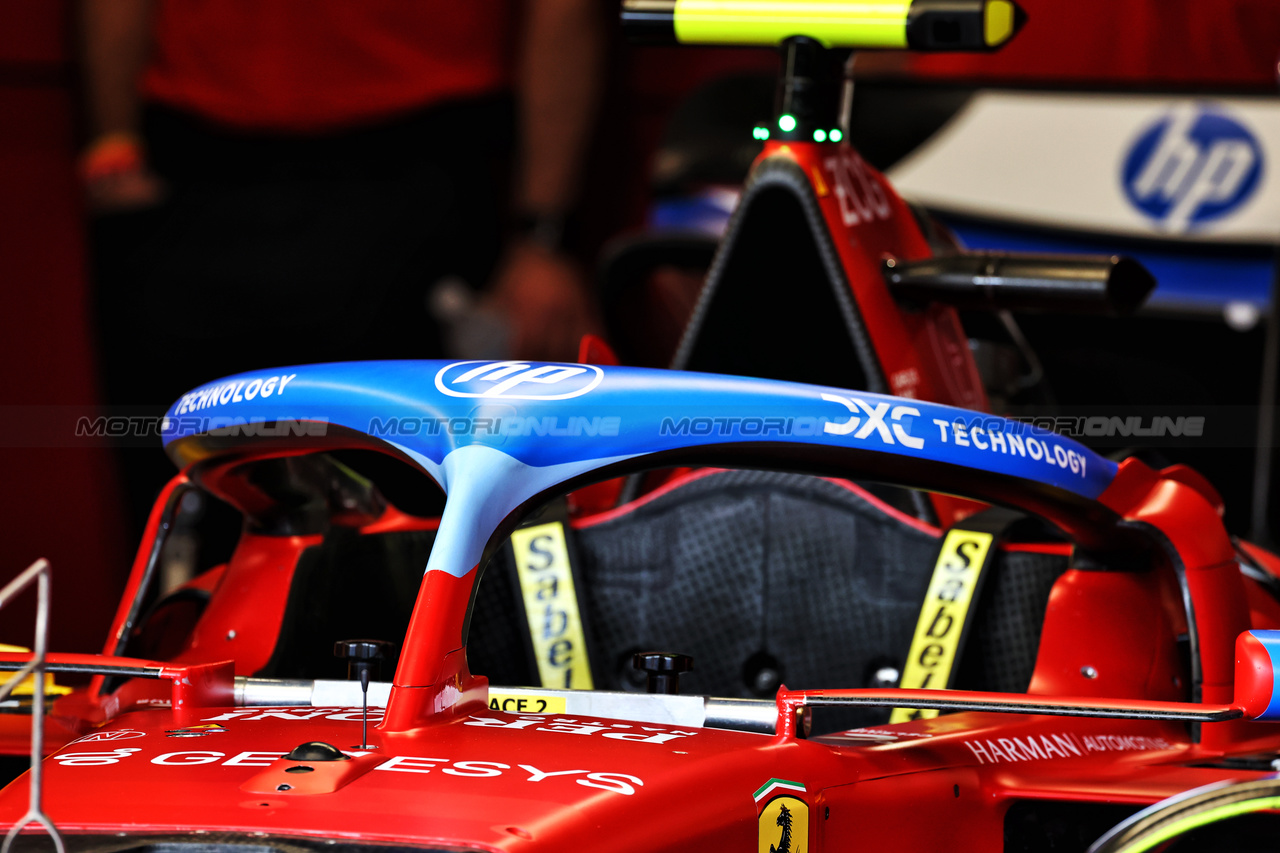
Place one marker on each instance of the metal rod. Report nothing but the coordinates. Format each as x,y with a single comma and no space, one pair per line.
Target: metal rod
1211,715
364,716
90,669
23,673
39,571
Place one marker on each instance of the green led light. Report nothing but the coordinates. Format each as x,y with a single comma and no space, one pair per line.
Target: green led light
760,132
786,123
819,135
835,135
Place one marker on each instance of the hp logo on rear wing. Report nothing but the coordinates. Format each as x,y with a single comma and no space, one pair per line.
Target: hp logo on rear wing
517,380
1193,165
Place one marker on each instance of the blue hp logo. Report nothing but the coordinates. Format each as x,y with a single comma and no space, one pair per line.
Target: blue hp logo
1192,166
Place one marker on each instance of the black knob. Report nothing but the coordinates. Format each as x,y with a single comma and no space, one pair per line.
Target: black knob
663,669
362,649
362,657
316,750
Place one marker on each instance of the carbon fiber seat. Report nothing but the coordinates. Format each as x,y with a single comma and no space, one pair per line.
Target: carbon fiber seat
763,577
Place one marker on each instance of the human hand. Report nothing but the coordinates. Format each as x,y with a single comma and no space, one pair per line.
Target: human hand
116,175
544,298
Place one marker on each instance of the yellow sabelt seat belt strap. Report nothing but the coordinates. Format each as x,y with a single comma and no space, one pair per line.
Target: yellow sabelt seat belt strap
27,687
964,560
544,563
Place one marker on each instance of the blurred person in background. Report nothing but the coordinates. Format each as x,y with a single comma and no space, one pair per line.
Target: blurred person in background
283,182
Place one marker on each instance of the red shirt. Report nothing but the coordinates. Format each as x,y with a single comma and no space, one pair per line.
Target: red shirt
300,65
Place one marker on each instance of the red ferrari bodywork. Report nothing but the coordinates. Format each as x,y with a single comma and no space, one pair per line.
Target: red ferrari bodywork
177,756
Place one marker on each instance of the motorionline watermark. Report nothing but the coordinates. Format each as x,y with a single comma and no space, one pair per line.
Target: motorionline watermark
547,426
145,430
1204,427
1130,428
1118,426
1073,426
154,426
1234,428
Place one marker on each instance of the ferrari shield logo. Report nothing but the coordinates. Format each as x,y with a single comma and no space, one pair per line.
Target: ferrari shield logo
784,820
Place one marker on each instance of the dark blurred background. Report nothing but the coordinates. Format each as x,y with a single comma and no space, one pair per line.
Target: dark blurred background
66,502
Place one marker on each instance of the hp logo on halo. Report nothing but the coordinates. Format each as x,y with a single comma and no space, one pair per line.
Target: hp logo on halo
517,380
1194,165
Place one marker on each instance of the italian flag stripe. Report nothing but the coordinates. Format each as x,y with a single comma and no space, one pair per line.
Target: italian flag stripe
772,784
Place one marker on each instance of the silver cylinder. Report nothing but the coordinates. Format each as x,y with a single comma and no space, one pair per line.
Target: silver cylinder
743,715
272,691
